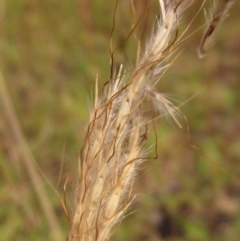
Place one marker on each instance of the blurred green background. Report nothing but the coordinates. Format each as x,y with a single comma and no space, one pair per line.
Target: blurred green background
51,52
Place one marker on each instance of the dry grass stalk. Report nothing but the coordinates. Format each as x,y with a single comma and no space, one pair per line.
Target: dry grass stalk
28,161
117,131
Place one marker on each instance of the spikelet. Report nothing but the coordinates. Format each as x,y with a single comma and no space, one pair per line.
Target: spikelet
218,13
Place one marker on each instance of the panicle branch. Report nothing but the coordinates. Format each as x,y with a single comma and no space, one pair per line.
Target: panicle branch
217,14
